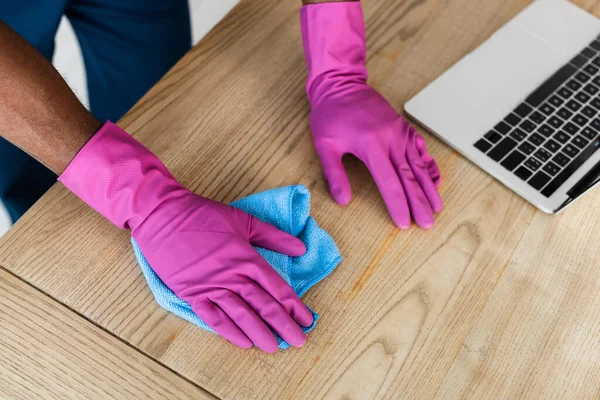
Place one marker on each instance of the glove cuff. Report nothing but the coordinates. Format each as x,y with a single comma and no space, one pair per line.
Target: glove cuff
119,177
334,41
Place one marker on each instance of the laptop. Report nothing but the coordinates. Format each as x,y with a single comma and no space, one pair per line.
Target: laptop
525,105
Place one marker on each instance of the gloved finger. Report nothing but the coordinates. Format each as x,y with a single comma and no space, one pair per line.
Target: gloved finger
337,178
389,186
273,314
221,323
247,320
432,168
418,203
269,237
268,279
422,175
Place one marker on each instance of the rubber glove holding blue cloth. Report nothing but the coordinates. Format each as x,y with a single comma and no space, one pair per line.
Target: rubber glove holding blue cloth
201,249
349,116
287,208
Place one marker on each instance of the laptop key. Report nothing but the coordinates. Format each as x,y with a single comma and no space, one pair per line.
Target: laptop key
596,61
527,126
555,122
595,44
537,117
513,160
561,137
539,180
512,119
582,77
502,149
596,102
571,168
547,109
483,145
552,146
580,141
588,53
591,89
574,85
551,84
502,127
564,113
518,135
492,136
523,110
523,173
565,92
551,168
527,148
536,139
543,155
580,120
582,97
546,130
570,150
556,101
596,81
589,112
571,128
533,164
561,159
590,69
579,61
573,105
589,133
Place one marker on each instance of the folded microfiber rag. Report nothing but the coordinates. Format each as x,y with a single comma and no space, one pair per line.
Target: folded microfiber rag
287,208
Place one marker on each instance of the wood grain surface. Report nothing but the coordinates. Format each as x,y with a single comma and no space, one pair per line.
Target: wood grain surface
498,300
50,352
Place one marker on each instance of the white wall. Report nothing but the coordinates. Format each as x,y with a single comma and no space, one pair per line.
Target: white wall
205,14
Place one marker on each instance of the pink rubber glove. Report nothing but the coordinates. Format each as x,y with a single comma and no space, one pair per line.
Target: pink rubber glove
348,116
201,249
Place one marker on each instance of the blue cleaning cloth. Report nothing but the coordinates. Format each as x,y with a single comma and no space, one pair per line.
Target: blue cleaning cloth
287,208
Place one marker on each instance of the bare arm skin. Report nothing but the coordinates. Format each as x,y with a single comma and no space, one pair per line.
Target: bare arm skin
38,111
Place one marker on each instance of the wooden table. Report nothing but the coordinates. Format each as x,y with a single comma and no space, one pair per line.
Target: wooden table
497,301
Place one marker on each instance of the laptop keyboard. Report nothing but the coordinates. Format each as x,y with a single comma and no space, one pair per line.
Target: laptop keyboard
555,130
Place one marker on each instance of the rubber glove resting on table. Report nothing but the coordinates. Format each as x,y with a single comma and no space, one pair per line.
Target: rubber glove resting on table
287,208
201,249
349,116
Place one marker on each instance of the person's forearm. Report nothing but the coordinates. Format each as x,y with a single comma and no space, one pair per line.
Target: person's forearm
38,111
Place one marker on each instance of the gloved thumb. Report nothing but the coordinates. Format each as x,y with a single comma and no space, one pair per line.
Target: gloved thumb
267,236
333,169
